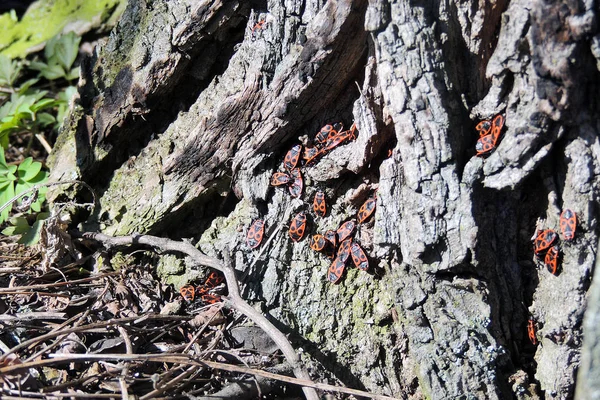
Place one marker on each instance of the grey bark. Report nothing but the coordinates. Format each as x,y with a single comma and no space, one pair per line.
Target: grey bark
185,113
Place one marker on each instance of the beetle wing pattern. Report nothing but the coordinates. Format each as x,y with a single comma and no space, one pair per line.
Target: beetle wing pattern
213,280
345,230
331,237
291,158
255,233
210,298
359,258
551,259
298,227
544,240
366,209
484,127
484,145
345,249
336,270
298,184
187,292
310,154
568,224
489,134
319,204
280,178
318,242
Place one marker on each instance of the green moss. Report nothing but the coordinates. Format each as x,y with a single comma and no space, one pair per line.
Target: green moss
47,18
120,261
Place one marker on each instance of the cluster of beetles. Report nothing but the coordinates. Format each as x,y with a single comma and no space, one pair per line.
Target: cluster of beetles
545,242
204,291
337,245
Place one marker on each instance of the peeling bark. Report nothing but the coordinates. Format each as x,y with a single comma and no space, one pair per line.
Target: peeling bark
186,111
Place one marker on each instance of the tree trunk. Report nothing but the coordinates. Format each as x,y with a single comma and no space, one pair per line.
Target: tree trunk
189,107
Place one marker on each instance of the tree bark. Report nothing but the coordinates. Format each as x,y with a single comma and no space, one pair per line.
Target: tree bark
188,108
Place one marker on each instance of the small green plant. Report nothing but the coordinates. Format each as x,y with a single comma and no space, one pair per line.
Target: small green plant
60,53
24,111
24,107
9,71
17,179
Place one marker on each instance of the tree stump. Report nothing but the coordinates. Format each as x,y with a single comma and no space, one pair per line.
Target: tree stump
189,107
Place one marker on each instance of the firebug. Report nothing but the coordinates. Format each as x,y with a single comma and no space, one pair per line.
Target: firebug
326,132
484,127
345,230
366,209
210,298
544,240
340,138
291,158
318,242
488,142
336,270
551,259
331,237
531,331
568,224
255,233
319,205
280,178
187,292
359,257
298,184
345,249
214,279
298,227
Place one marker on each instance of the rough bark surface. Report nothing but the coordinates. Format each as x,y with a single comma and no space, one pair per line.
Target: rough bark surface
186,111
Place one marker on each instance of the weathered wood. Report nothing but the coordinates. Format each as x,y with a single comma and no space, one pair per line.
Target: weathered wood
189,108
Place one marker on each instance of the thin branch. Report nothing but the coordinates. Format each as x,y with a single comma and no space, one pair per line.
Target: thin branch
125,371
234,300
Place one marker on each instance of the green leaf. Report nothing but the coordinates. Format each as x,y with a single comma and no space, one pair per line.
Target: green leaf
3,159
32,236
52,72
45,119
37,65
73,74
7,193
18,225
28,169
26,85
7,173
9,71
66,49
43,104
